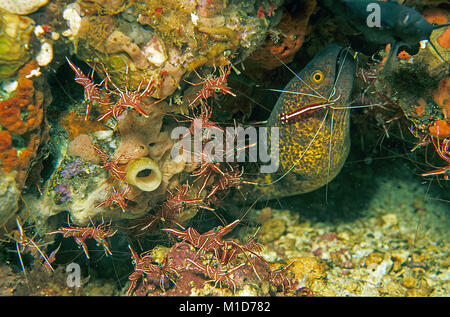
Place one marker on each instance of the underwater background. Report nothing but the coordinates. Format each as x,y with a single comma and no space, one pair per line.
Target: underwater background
95,95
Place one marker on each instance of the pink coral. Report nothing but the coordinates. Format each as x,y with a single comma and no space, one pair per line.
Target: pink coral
294,30
82,146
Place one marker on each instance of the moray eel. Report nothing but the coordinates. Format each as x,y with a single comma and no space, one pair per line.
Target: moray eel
313,148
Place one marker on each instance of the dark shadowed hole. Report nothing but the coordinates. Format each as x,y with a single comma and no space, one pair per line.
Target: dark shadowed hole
144,173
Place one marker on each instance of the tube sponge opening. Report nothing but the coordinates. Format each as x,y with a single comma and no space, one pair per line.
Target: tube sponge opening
144,173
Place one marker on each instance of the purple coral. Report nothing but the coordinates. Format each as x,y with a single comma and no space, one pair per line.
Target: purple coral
72,169
63,193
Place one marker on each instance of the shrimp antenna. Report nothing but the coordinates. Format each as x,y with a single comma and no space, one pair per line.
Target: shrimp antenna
439,26
437,52
301,79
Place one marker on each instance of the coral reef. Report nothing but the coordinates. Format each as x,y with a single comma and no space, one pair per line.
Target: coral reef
284,40
441,128
141,139
82,147
96,173
417,84
22,7
440,36
138,44
166,267
75,125
151,38
15,35
23,124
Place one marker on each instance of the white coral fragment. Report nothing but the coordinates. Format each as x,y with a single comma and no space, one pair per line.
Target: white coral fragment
10,86
39,31
45,55
34,73
154,51
72,14
194,18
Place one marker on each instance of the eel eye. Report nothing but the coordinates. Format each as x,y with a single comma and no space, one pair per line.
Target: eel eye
317,76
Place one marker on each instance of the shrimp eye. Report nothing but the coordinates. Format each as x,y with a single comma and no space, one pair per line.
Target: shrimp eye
317,76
